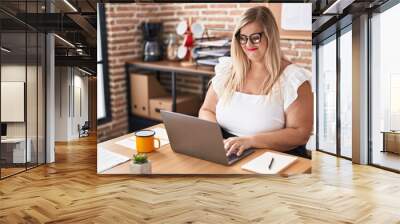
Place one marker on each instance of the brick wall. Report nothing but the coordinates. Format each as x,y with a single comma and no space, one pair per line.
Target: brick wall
125,43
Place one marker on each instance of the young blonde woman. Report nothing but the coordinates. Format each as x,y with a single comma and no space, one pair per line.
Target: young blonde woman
260,99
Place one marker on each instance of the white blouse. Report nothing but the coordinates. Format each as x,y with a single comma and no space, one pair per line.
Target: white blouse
249,114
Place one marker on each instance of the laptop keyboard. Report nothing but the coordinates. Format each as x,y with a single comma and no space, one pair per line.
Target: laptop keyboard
233,156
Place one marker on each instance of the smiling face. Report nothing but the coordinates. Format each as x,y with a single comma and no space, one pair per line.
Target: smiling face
256,45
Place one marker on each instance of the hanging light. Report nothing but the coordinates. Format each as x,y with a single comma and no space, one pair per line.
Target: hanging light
70,5
5,50
84,71
64,40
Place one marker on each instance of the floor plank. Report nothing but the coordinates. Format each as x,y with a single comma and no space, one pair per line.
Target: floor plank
70,191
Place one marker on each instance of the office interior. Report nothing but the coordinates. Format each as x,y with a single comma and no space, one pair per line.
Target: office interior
48,80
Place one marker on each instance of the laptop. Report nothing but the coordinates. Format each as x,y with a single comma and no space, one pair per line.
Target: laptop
198,138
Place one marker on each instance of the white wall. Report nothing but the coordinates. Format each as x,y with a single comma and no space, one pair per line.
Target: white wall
13,73
16,73
61,103
71,93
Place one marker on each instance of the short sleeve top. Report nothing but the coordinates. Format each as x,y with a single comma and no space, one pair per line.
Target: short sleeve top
249,114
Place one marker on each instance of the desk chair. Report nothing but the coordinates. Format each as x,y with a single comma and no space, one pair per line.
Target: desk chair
84,130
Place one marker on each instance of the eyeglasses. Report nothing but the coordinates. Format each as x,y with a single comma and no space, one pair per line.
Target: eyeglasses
255,38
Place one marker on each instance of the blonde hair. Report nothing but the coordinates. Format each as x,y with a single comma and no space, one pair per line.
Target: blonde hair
241,64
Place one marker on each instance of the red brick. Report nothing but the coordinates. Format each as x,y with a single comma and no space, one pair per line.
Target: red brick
167,20
306,53
195,6
148,7
126,7
129,46
127,21
188,13
303,45
231,27
123,34
222,33
124,40
236,12
250,5
213,12
166,14
285,45
165,7
218,26
120,15
145,14
224,6
290,52
220,19
119,28
302,61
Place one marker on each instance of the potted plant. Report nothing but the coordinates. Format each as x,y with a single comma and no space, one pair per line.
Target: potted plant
140,164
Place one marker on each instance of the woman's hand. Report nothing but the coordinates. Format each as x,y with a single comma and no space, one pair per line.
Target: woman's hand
237,145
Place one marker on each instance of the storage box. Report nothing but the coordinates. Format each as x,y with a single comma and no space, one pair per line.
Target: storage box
392,142
186,104
143,87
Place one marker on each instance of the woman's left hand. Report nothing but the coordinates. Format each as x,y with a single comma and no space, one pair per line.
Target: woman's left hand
236,145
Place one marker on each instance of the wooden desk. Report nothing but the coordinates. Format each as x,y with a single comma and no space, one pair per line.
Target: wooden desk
165,161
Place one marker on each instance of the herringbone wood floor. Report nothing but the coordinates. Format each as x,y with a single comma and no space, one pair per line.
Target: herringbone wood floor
70,191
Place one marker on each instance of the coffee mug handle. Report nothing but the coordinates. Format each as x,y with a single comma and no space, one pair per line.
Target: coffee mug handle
159,143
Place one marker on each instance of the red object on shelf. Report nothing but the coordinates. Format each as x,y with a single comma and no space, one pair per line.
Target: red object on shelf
189,39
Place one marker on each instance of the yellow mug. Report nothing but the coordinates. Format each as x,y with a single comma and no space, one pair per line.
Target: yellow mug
145,141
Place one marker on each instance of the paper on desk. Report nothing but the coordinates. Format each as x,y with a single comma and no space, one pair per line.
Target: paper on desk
107,159
260,164
130,142
161,133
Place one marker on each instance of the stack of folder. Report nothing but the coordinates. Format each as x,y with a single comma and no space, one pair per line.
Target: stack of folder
208,51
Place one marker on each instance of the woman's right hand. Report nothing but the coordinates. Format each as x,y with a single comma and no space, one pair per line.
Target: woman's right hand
237,145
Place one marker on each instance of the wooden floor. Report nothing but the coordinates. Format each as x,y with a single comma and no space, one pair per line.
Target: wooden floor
70,191
5,172
387,159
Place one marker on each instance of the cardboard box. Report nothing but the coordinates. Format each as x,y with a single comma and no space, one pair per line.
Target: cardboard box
392,142
142,88
186,104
